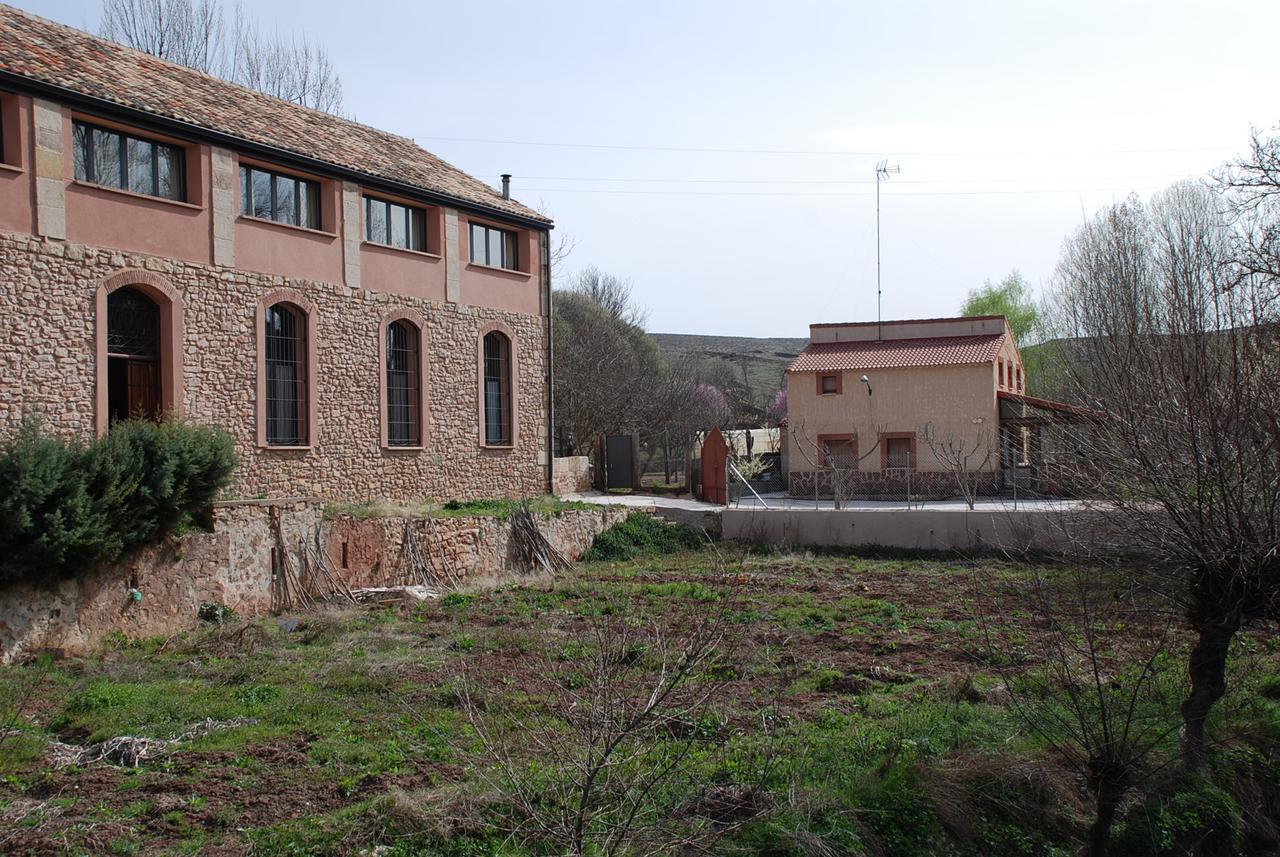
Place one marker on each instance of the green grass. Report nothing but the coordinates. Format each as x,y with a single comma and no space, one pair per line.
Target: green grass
501,508
847,686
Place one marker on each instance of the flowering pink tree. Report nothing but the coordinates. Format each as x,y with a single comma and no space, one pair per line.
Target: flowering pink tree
777,410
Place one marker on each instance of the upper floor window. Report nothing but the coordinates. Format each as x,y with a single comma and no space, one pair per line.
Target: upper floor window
395,225
125,162
830,384
492,246
275,196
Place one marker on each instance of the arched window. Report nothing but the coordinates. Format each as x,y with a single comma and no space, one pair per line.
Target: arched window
133,355
404,385
286,375
497,389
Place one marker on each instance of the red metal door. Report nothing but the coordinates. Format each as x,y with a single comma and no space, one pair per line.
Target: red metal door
714,454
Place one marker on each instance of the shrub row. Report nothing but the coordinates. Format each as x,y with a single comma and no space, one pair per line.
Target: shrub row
67,506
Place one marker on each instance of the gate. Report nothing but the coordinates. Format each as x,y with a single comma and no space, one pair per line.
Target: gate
619,461
715,452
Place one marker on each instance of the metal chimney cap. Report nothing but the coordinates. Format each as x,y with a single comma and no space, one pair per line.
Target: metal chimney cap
506,185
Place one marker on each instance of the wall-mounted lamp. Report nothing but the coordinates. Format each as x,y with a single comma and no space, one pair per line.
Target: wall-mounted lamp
867,381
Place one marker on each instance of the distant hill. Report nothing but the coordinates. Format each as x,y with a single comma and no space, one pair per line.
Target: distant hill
760,363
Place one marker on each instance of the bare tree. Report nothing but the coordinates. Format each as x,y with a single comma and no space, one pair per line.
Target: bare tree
966,461
606,762
837,460
181,31
194,33
1177,346
1253,186
611,293
609,375
1098,689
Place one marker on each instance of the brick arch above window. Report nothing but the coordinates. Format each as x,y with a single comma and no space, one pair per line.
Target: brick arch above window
416,319
169,301
513,381
296,299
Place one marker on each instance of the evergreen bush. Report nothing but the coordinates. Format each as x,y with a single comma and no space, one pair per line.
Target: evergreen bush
67,506
642,534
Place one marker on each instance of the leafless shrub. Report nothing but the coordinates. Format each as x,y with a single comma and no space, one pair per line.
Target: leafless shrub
605,757
1100,688
835,455
964,458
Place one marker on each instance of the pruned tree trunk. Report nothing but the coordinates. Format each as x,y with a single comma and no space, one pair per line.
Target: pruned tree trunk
1107,803
1208,672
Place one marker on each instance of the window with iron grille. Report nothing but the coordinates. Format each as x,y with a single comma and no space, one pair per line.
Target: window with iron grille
125,162
497,389
133,355
274,196
395,225
491,246
404,388
898,453
286,375
840,453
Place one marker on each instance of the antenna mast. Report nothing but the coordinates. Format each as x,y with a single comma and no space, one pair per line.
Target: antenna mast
882,174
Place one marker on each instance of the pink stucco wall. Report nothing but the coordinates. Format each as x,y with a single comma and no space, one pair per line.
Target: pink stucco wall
17,201
107,217
402,272
516,291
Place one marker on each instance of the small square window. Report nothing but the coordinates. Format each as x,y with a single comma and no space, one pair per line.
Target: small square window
830,384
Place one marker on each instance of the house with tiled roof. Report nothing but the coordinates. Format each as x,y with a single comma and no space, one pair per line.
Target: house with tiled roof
367,320
891,408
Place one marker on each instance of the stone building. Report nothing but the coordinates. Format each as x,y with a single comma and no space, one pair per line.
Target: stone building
897,408
366,320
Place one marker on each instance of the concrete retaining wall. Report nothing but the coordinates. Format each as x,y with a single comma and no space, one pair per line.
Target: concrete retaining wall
929,529
233,566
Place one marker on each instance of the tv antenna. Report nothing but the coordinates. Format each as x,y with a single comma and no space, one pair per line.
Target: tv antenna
883,171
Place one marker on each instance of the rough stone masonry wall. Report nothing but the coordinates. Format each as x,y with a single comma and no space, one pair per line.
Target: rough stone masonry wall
233,566
469,548
47,369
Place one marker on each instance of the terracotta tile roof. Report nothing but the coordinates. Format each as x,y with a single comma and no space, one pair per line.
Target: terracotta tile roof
70,59
897,353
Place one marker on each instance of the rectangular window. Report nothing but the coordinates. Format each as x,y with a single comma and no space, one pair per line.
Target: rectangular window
273,196
395,225
493,247
897,454
125,162
839,453
830,384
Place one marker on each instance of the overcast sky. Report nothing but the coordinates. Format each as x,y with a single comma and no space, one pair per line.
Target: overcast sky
721,155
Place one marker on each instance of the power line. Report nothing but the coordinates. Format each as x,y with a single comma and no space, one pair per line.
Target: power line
836,194
643,180
837,152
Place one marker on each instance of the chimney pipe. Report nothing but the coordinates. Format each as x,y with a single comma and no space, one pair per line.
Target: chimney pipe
506,185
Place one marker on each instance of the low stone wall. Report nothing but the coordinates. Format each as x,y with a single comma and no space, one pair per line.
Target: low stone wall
570,475
233,565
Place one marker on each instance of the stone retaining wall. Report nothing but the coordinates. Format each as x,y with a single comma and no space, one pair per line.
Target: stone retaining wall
233,566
